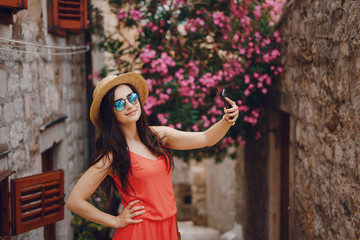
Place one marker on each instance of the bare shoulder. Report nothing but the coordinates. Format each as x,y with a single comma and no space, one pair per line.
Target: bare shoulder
104,163
160,130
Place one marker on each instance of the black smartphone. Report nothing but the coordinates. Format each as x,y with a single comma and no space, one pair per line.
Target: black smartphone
223,95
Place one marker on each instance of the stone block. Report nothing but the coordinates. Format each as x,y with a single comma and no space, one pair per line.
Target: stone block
51,98
9,112
3,85
19,160
28,106
16,133
4,55
4,135
26,81
13,84
19,108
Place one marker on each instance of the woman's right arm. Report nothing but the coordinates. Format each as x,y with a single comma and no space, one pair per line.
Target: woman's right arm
86,186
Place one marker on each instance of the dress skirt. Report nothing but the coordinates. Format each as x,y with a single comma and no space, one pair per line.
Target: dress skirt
148,230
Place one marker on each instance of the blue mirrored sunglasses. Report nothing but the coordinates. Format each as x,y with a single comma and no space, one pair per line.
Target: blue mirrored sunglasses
121,103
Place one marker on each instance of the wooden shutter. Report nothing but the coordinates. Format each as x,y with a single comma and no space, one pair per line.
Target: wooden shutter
10,7
37,200
67,15
15,4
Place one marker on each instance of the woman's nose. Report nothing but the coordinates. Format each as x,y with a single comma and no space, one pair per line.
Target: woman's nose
128,105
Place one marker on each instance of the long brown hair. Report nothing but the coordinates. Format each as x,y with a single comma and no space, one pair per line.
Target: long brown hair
111,140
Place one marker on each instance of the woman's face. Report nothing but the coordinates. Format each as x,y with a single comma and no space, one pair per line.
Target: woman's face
132,112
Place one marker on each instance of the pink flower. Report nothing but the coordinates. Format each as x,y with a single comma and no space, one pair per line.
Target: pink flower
242,51
243,108
246,92
178,2
250,120
135,14
178,125
275,53
257,11
264,90
200,21
195,128
246,79
213,119
154,28
122,14
162,117
236,37
206,121
147,55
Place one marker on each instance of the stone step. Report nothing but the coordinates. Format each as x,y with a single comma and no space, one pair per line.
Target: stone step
190,232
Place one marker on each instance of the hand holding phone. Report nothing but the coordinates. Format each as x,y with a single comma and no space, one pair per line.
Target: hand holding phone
223,95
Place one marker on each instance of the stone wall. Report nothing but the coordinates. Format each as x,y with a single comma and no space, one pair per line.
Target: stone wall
34,91
320,90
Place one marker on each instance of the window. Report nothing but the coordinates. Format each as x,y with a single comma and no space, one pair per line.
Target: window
9,7
4,205
37,200
67,16
14,4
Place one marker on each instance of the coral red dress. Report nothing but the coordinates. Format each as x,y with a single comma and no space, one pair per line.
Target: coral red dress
153,188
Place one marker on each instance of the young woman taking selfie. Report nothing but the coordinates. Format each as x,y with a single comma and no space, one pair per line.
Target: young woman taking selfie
135,158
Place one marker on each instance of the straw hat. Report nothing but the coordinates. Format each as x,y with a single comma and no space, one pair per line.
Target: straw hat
107,83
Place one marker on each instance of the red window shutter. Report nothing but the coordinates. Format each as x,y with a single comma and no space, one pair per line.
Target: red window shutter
10,7
15,4
67,15
37,200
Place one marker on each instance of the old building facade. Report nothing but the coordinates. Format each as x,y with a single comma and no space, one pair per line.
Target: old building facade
43,106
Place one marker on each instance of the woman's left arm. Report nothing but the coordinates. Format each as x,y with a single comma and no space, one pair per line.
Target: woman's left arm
181,140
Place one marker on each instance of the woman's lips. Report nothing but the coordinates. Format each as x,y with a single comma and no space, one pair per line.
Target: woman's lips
131,113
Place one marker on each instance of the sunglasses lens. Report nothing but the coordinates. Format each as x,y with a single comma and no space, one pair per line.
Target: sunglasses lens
133,97
120,105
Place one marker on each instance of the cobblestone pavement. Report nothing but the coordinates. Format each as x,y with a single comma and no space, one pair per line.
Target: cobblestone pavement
190,232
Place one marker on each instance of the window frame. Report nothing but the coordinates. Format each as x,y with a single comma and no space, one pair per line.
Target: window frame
37,190
5,204
65,22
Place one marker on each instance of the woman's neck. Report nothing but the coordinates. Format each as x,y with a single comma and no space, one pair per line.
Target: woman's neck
130,132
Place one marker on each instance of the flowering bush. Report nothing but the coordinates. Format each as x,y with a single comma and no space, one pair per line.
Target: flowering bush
188,51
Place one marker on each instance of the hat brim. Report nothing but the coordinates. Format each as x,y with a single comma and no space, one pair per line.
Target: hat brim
111,81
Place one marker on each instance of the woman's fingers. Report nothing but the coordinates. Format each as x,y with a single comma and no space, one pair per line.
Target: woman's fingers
129,212
132,203
232,103
136,208
135,221
231,114
134,214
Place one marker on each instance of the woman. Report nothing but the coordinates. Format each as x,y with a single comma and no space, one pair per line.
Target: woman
135,157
